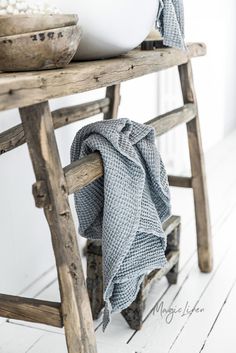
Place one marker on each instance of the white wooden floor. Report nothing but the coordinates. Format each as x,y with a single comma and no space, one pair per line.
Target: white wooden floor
213,295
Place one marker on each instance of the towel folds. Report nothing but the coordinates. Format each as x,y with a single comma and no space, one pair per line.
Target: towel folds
125,208
170,22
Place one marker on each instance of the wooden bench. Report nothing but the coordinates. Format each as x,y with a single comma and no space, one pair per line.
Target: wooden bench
30,92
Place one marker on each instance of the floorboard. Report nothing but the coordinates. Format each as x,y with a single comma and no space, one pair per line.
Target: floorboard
16,338
221,333
157,331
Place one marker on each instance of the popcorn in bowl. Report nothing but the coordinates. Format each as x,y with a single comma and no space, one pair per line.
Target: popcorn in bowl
17,7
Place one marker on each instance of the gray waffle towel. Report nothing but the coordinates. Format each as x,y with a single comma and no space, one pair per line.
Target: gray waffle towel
126,207
170,22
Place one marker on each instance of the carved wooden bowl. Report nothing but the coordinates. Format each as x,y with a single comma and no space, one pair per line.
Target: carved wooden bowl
19,24
40,50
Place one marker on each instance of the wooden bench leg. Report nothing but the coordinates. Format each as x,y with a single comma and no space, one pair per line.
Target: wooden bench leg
51,193
173,245
113,93
134,313
95,276
204,241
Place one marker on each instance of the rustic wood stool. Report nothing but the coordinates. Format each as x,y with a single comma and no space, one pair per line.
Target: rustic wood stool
30,93
134,313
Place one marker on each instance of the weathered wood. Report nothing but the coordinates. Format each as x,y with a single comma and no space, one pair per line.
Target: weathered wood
170,120
179,181
134,313
172,258
88,169
83,171
32,310
40,193
172,246
113,94
45,49
11,138
15,136
95,276
19,90
76,312
11,25
68,115
170,224
204,239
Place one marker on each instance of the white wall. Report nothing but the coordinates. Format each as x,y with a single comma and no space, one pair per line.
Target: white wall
214,22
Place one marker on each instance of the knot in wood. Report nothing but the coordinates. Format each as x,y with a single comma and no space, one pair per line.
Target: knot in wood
40,193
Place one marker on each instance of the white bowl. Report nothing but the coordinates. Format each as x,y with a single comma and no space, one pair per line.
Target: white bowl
112,27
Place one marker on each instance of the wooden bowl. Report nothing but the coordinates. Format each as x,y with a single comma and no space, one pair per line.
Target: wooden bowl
42,50
19,24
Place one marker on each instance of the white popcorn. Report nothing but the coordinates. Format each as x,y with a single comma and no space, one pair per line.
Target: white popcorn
15,7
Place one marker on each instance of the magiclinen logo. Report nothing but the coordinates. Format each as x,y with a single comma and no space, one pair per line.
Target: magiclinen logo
171,312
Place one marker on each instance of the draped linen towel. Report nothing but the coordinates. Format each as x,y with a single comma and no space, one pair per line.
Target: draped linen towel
170,22
125,208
